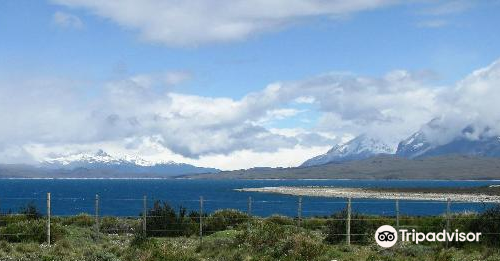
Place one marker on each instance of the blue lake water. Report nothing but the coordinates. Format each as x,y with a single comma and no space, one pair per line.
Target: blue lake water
124,197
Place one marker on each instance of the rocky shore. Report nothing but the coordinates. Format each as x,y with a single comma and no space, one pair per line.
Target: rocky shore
337,192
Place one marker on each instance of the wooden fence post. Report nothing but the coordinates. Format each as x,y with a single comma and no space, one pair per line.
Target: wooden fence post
48,218
97,214
448,205
249,220
201,220
249,207
348,226
397,214
144,213
299,212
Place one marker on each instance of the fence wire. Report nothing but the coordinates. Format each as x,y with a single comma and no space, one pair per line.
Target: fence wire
202,216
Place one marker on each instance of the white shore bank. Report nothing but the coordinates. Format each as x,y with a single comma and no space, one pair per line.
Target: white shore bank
366,193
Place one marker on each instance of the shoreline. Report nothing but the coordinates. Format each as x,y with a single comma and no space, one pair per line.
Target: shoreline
336,192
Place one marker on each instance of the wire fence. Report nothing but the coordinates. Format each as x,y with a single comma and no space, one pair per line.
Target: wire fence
343,219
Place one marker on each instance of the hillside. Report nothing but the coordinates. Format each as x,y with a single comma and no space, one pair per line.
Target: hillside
451,167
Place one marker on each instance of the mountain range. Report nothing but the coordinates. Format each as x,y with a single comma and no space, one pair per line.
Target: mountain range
357,156
470,141
359,148
101,165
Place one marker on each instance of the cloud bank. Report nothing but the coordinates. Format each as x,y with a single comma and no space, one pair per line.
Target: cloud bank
141,114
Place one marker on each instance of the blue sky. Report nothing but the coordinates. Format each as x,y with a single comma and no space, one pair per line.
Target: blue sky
90,46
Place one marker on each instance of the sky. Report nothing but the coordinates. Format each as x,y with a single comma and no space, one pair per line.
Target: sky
237,84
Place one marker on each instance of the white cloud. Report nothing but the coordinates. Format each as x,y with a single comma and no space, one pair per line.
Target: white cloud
142,115
305,100
174,78
439,13
449,7
196,22
243,159
435,23
67,20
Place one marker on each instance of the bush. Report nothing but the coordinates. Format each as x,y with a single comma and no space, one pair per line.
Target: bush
163,221
335,229
487,223
143,248
314,223
115,225
262,235
29,231
224,219
305,247
277,241
30,211
281,220
81,220
140,240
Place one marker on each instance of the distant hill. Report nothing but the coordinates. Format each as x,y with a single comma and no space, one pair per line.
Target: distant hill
449,167
100,165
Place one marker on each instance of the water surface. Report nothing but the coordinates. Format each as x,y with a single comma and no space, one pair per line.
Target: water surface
122,197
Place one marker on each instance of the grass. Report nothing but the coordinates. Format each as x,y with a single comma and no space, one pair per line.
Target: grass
273,238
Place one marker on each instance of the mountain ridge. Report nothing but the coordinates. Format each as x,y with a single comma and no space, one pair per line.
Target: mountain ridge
101,165
471,141
390,167
361,147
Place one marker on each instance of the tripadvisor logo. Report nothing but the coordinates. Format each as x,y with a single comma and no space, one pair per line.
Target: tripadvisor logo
387,236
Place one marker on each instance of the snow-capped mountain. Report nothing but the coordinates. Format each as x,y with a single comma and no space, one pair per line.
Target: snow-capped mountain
361,147
414,146
470,141
129,164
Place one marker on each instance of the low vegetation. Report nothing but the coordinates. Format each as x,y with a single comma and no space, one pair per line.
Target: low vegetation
173,234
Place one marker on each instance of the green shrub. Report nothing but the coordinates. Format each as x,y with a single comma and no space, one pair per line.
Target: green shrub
444,255
278,241
162,221
5,246
143,248
81,220
140,240
314,223
8,219
335,229
281,220
30,211
262,235
306,247
488,224
224,219
115,225
30,230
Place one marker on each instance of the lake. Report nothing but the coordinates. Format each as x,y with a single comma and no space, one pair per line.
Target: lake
124,197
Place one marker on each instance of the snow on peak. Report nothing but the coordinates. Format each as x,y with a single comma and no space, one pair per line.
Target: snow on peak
100,158
358,148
